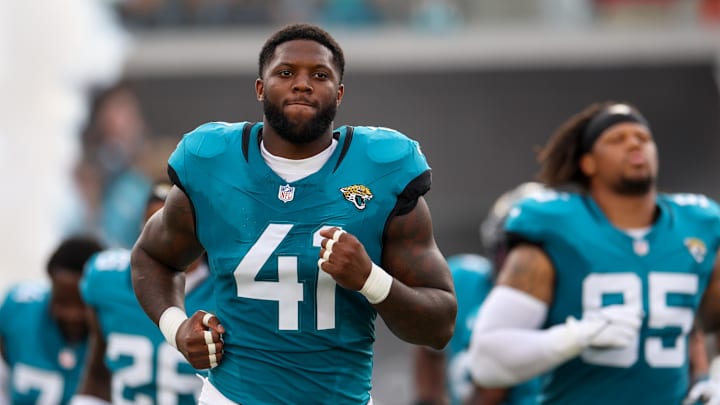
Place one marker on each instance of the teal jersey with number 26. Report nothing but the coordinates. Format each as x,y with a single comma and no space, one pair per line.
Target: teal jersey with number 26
145,368
664,273
293,335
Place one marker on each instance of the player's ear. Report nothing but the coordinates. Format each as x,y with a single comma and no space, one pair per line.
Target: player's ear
588,165
340,93
259,89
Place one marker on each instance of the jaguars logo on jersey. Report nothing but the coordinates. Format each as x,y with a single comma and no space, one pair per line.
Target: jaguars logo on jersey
697,248
357,194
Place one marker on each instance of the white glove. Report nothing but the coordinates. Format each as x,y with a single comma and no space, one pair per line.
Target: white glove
706,391
610,327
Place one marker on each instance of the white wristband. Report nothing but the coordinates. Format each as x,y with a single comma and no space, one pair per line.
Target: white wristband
377,286
82,399
169,323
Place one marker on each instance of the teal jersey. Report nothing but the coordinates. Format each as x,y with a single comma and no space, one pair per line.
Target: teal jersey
44,367
293,335
144,367
665,273
473,278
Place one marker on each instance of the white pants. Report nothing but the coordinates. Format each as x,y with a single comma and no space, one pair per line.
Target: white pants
211,396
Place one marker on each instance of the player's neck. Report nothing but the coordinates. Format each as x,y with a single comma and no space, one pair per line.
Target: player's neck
627,212
278,146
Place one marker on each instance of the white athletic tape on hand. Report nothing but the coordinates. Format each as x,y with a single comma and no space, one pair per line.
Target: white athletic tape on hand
377,286
211,348
336,235
213,361
170,322
206,319
329,245
326,255
208,337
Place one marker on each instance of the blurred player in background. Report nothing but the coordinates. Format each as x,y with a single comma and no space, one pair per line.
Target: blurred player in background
111,183
46,72
601,286
44,329
311,232
129,360
443,375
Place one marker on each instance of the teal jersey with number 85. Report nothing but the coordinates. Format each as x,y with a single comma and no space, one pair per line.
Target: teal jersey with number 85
664,274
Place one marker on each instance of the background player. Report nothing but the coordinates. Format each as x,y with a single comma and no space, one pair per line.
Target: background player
129,360
443,375
601,287
43,332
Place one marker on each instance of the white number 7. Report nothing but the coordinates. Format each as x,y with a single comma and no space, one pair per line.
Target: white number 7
287,291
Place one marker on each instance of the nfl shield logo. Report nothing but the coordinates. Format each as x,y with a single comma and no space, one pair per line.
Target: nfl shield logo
286,193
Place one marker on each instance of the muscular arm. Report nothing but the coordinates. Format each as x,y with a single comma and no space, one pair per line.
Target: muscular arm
166,247
421,306
528,269
506,346
96,378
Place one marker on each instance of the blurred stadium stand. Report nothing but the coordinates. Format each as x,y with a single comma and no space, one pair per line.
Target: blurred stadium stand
480,93
480,83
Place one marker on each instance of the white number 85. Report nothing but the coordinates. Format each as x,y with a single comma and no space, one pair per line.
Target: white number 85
660,315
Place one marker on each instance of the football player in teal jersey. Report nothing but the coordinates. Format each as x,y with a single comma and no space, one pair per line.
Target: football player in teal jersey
129,360
602,284
442,376
310,232
44,329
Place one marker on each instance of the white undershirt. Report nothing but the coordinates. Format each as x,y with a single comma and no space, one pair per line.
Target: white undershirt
637,233
295,169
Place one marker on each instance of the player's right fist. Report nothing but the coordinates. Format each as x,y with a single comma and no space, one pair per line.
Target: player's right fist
614,326
199,339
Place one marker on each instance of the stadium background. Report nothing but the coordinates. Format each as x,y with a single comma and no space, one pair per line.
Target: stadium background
480,96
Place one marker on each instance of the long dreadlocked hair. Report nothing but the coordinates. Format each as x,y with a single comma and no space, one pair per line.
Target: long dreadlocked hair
560,156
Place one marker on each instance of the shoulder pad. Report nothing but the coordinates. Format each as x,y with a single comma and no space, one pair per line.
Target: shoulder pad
536,215
210,139
698,207
111,260
387,145
29,292
698,203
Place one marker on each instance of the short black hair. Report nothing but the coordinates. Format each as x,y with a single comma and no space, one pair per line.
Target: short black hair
72,253
301,31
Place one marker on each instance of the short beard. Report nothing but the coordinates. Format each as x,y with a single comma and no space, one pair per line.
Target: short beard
634,187
299,133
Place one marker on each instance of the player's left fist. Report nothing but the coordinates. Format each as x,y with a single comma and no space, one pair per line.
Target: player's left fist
344,258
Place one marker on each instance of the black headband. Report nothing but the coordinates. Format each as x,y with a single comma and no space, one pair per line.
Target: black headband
606,118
